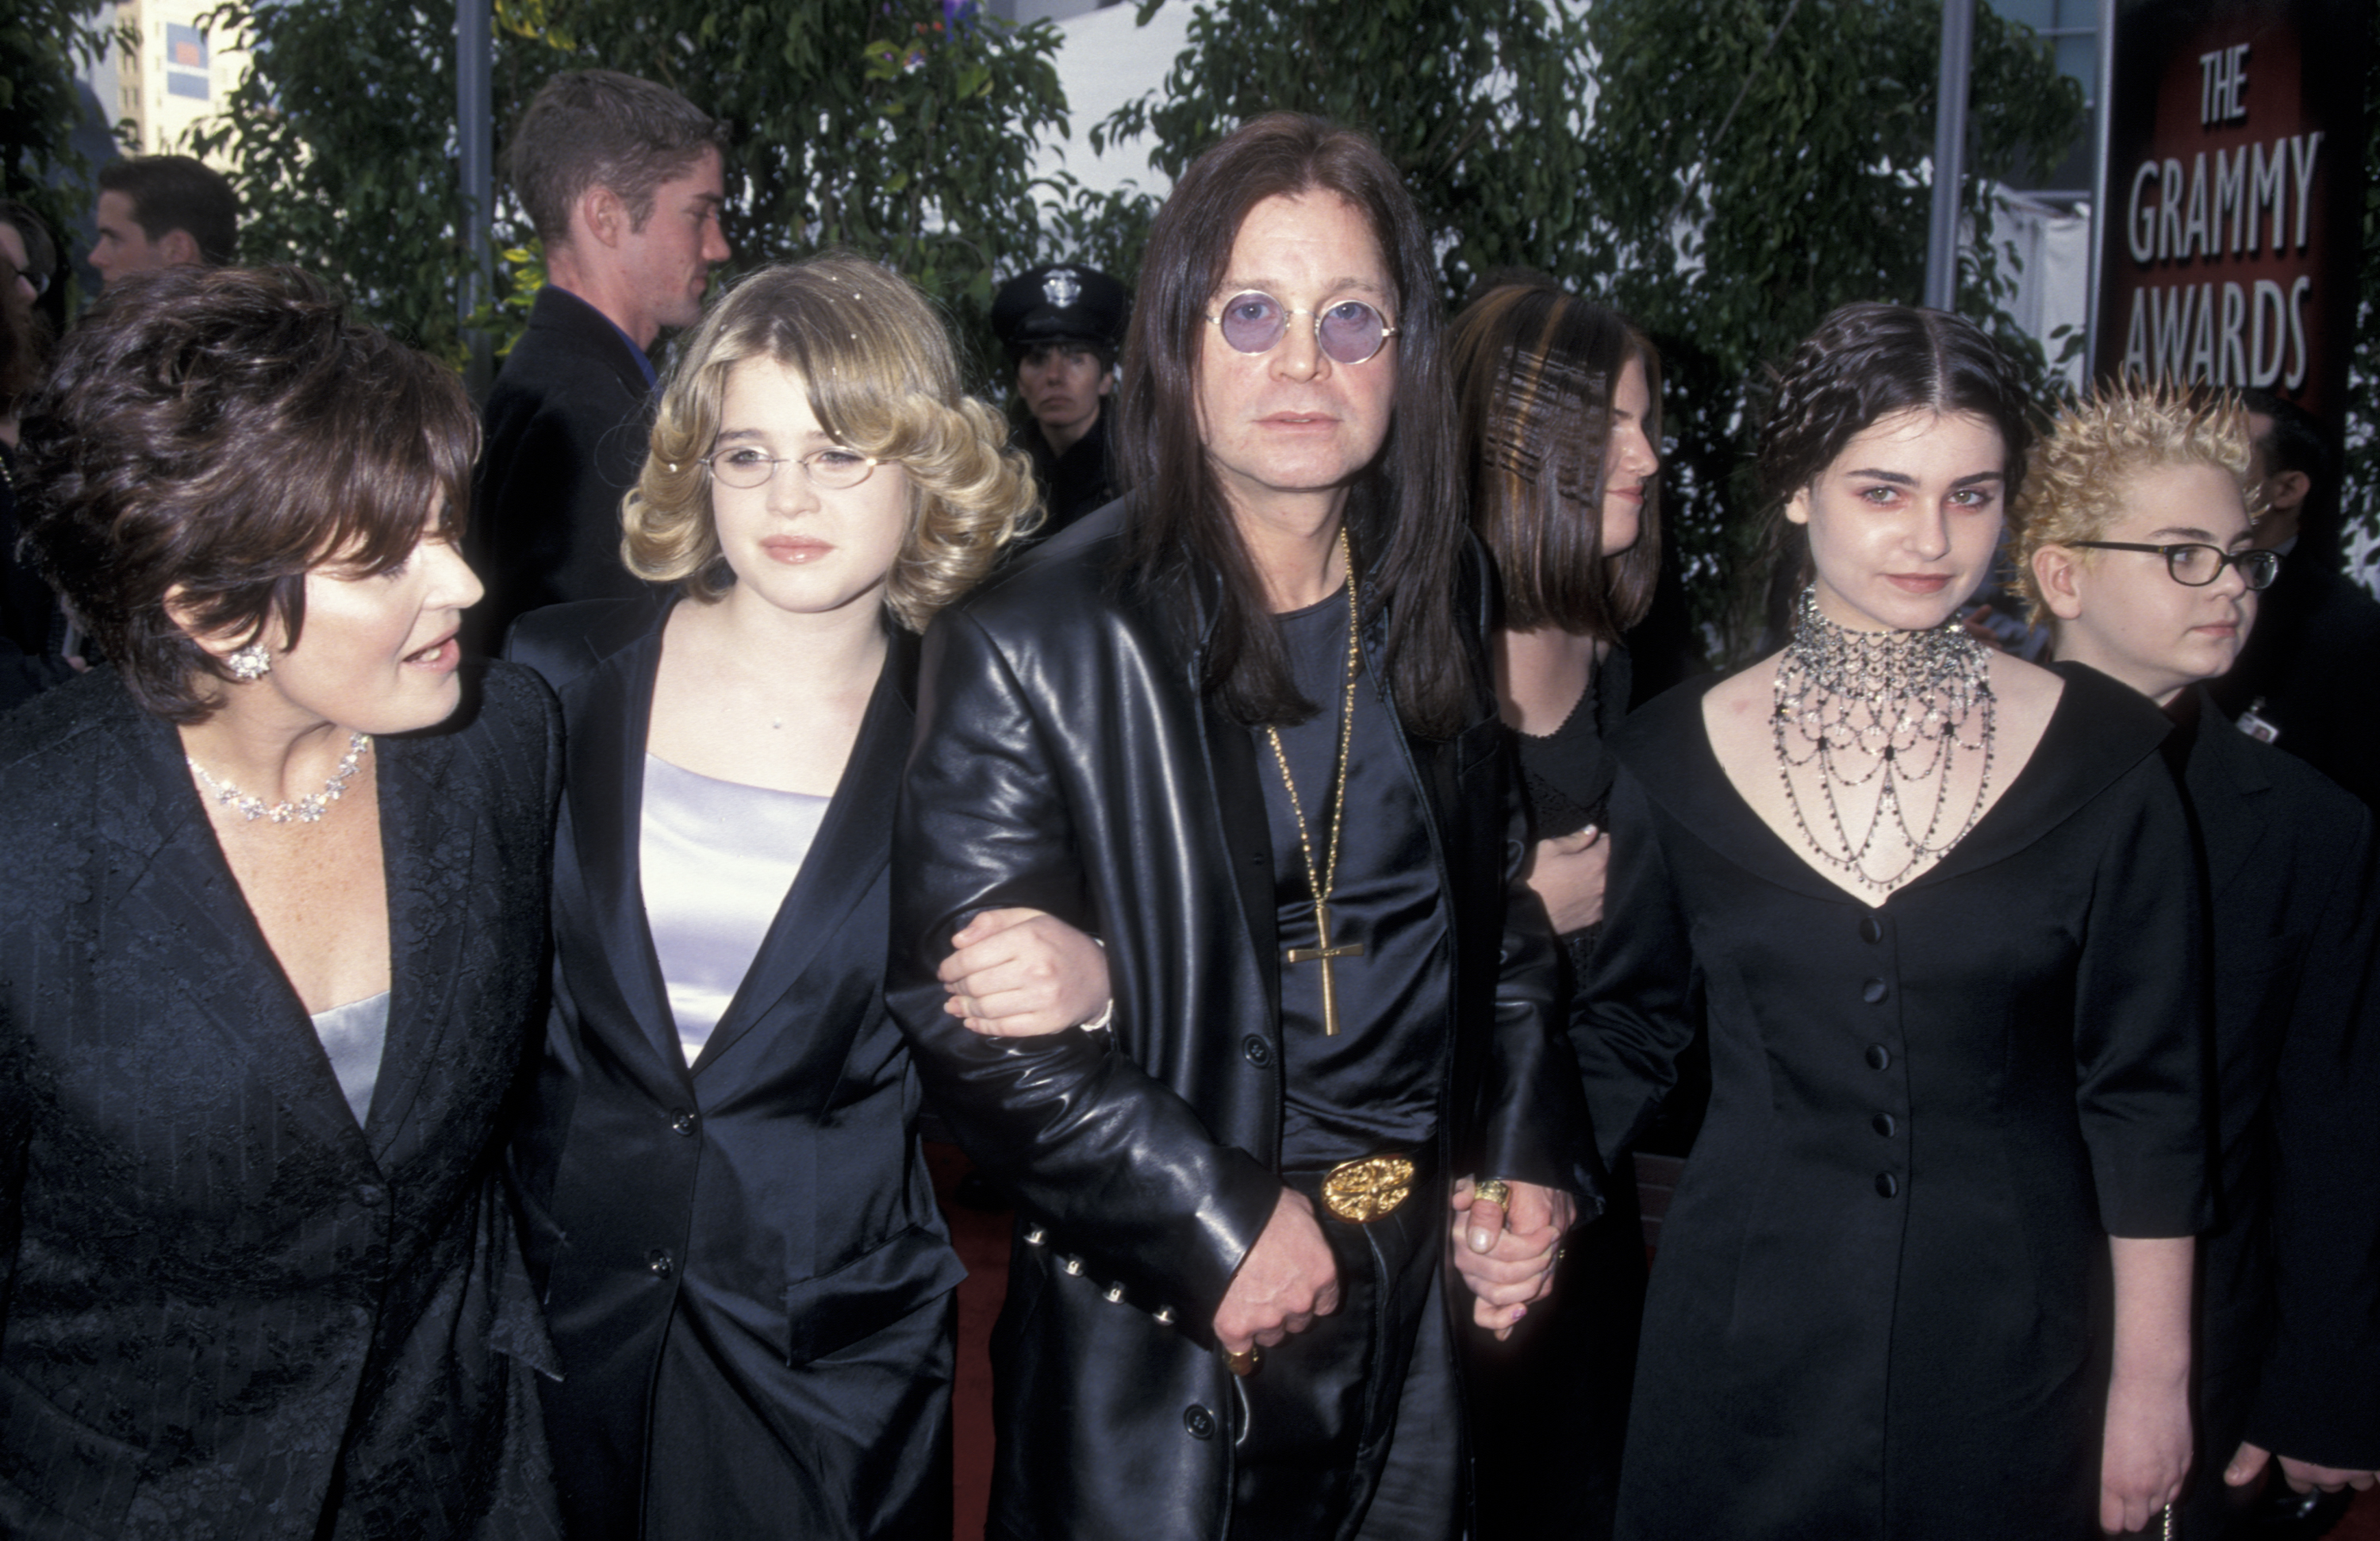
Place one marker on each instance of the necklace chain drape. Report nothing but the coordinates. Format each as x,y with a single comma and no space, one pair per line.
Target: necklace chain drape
308,809
1321,880
1897,709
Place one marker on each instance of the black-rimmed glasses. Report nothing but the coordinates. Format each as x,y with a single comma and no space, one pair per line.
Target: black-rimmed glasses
2195,563
834,468
1347,330
40,281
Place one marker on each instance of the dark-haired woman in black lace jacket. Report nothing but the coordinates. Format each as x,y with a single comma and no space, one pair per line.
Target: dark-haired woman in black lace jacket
270,947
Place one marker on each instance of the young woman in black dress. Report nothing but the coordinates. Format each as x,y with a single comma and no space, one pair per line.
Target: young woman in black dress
1558,401
1928,1272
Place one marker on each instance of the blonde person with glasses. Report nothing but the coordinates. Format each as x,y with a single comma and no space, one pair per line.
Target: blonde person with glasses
749,1283
2133,540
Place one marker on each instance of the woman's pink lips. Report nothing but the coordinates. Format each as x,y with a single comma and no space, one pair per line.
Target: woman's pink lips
795,548
1919,583
1636,492
441,655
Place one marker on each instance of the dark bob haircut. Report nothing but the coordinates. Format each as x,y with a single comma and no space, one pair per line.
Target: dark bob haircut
206,437
1404,510
1534,370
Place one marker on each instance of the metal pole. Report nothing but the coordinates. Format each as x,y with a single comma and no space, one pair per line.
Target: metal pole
2106,95
475,139
1949,153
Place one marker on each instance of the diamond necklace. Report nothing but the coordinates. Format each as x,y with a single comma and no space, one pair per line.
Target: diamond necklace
308,809
1900,708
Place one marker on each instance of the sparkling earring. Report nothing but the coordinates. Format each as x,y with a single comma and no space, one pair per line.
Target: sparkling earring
251,663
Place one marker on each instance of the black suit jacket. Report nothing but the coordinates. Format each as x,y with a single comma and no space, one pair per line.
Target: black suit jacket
1066,761
564,432
2312,669
777,1175
229,1310
2290,1292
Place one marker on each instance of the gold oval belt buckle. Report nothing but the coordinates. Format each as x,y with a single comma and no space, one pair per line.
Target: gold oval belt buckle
1366,1189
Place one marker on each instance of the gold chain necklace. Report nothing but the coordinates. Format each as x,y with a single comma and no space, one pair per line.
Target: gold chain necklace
1321,880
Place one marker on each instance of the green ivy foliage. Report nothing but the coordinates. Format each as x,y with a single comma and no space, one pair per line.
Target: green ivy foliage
1730,248
866,123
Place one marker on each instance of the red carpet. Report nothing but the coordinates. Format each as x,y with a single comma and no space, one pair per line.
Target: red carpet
982,1241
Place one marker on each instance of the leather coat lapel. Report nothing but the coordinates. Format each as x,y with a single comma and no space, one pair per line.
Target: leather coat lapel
1232,774
605,788
854,844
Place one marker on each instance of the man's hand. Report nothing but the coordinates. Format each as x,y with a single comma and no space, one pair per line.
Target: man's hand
1507,1255
2303,1476
1020,973
1567,872
1286,1280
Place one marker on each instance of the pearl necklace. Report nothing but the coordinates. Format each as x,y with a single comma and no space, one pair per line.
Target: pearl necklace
1900,708
308,809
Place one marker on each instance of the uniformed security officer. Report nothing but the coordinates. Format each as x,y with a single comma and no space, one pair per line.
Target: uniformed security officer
1063,326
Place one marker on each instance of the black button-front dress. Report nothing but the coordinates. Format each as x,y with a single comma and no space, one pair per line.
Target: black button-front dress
1881,1306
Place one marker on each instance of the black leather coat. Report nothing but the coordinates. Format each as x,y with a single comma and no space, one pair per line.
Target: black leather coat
1066,761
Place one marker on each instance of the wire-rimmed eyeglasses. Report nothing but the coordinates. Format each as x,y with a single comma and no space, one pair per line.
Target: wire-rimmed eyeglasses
2196,565
1347,330
833,467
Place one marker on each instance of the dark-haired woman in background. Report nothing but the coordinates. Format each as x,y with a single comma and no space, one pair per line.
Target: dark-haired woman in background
1558,404
1927,1274
272,937
748,1281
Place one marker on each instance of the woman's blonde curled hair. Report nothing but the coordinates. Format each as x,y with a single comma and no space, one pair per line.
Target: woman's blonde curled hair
2077,484
883,380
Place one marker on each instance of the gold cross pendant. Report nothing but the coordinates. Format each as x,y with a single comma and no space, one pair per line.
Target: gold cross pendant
1325,955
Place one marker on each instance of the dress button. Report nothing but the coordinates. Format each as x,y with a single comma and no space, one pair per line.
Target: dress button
657,1262
1873,992
371,1193
1199,1422
1887,1184
681,1121
1883,1124
1871,929
1259,1052
1878,1056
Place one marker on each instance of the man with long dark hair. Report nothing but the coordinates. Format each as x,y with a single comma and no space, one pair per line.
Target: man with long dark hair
1239,726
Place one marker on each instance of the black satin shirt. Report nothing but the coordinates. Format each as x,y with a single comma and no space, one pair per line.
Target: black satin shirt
1368,1089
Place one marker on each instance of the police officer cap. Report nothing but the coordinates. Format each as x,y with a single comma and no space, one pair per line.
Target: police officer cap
1065,303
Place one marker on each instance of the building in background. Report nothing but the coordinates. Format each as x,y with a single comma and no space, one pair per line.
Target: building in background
177,72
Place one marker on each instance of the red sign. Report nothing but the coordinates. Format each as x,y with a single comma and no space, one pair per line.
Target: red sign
2231,196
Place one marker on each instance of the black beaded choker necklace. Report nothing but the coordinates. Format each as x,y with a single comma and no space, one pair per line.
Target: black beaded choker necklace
1904,706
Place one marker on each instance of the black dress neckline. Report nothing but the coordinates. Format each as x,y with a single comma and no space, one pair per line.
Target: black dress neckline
2098,731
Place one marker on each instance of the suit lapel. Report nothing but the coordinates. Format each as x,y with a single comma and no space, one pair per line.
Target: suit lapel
853,843
604,789
240,991
427,846
2221,774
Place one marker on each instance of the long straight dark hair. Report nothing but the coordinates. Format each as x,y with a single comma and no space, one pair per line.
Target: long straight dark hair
1536,368
1405,511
